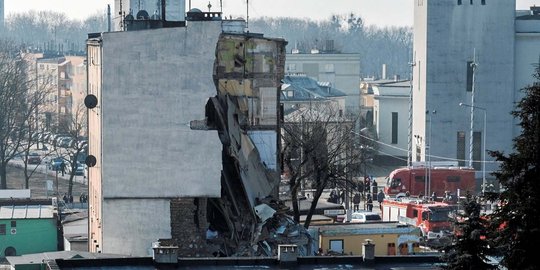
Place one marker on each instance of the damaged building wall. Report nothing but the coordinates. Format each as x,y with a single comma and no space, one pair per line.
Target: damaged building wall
150,84
248,218
247,73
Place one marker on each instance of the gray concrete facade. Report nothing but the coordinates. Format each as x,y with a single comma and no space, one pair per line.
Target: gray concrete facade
150,84
446,36
1,15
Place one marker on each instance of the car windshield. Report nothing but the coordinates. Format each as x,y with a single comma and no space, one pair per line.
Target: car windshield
373,217
440,215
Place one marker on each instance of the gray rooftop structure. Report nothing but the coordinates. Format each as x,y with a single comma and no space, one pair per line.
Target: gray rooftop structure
26,211
305,88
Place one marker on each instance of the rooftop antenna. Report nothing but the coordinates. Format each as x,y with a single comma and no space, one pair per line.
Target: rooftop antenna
221,6
247,14
209,6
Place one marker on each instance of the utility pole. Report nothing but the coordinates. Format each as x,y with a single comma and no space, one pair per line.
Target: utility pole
473,66
409,139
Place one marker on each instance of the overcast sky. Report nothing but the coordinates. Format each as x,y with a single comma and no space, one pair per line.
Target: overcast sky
379,12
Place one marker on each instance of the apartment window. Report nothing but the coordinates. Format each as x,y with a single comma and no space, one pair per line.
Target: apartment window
477,150
311,70
471,2
460,155
336,245
469,76
291,67
483,2
453,178
415,213
394,128
329,68
2,229
419,178
418,152
391,249
13,224
459,2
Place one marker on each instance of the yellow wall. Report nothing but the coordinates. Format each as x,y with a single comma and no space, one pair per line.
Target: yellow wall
354,243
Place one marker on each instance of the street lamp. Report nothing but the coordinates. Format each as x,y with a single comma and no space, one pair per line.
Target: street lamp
483,143
428,157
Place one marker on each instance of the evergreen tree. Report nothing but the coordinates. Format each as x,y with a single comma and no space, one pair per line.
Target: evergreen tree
469,246
516,222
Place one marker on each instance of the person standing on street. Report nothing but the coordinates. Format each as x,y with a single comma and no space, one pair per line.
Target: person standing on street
369,203
380,198
63,167
356,202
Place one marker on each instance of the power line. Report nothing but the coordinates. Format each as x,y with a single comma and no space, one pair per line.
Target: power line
433,156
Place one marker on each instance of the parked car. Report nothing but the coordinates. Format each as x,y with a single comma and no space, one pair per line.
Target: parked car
78,171
56,163
34,158
362,217
64,142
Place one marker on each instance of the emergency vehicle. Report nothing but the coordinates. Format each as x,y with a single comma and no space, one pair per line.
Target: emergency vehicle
443,179
433,218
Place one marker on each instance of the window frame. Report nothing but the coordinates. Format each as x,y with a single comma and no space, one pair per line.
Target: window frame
337,241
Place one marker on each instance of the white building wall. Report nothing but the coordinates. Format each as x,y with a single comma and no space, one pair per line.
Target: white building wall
387,101
446,37
154,82
130,226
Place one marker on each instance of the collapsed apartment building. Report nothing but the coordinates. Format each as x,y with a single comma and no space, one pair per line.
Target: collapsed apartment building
170,160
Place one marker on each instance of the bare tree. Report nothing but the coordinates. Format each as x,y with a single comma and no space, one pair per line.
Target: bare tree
318,149
75,127
15,111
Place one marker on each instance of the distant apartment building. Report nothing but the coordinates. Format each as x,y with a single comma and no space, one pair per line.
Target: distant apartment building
53,77
340,70
450,37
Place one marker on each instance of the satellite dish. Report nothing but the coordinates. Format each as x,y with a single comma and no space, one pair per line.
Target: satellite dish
142,15
90,101
90,161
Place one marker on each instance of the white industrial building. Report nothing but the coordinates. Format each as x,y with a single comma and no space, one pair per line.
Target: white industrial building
450,35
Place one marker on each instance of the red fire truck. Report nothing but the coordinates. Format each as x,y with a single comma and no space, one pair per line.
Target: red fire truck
433,218
443,179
